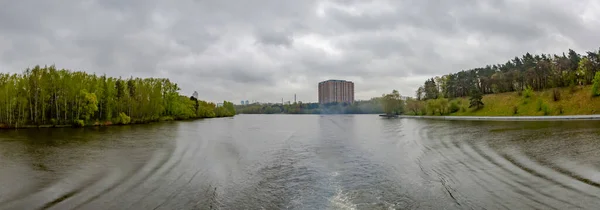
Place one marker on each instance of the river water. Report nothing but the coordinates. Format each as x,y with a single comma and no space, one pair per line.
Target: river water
304,162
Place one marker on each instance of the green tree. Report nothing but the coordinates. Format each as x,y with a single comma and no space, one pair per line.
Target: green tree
420,93
433,106
392,104
476,100
596,85
414,106
90,104
453,107
431,89
583,71
229,107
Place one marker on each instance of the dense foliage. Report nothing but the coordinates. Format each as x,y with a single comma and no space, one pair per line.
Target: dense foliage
524,75
596,85
536,71
475,100
373,106
47,96
392,103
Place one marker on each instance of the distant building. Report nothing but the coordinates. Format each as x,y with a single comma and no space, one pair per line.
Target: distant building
247,102
336,91
242,103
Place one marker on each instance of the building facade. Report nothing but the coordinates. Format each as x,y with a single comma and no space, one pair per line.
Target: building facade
339,91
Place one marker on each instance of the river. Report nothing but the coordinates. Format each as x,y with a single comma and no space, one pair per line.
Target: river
304,162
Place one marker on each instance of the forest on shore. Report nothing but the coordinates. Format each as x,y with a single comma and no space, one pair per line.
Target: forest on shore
46,96
536,79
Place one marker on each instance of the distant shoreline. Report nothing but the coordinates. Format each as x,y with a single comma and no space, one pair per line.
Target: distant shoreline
477,118
508,118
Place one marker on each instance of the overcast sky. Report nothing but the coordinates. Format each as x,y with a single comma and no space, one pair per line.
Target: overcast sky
266,50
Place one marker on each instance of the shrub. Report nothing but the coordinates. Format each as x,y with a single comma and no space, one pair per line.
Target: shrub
433,106
495,88
527,92
515,110
560,109
573,88
545,109
462,109
78,123
123,119
166,118
540,104
556,94
454,107
444,106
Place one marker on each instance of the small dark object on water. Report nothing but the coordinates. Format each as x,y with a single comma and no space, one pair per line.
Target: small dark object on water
389,115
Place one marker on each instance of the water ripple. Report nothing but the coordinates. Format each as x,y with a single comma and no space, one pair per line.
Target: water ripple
304,162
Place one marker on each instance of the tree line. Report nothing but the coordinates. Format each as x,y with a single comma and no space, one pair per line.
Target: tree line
373,106
390,104
48,96
535,71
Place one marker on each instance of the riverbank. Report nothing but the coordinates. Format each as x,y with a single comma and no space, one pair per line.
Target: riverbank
571,101
508,118
4,127
101,124
63,98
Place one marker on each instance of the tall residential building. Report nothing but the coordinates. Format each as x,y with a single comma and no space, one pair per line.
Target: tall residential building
336,91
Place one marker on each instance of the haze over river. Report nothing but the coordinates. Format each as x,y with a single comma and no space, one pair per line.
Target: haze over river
304,162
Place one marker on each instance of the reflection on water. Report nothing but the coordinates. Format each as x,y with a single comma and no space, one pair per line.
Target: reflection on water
304,162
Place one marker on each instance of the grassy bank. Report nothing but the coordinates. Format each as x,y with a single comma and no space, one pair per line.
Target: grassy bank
571,101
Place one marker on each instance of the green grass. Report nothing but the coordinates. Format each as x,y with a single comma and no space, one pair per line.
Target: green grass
540,103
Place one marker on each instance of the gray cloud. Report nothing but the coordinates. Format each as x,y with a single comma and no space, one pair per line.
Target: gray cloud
272,37
268,49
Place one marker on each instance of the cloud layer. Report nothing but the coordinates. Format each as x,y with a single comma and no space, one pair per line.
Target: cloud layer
266,50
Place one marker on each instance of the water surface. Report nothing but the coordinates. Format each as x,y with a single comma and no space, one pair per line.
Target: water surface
304,162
